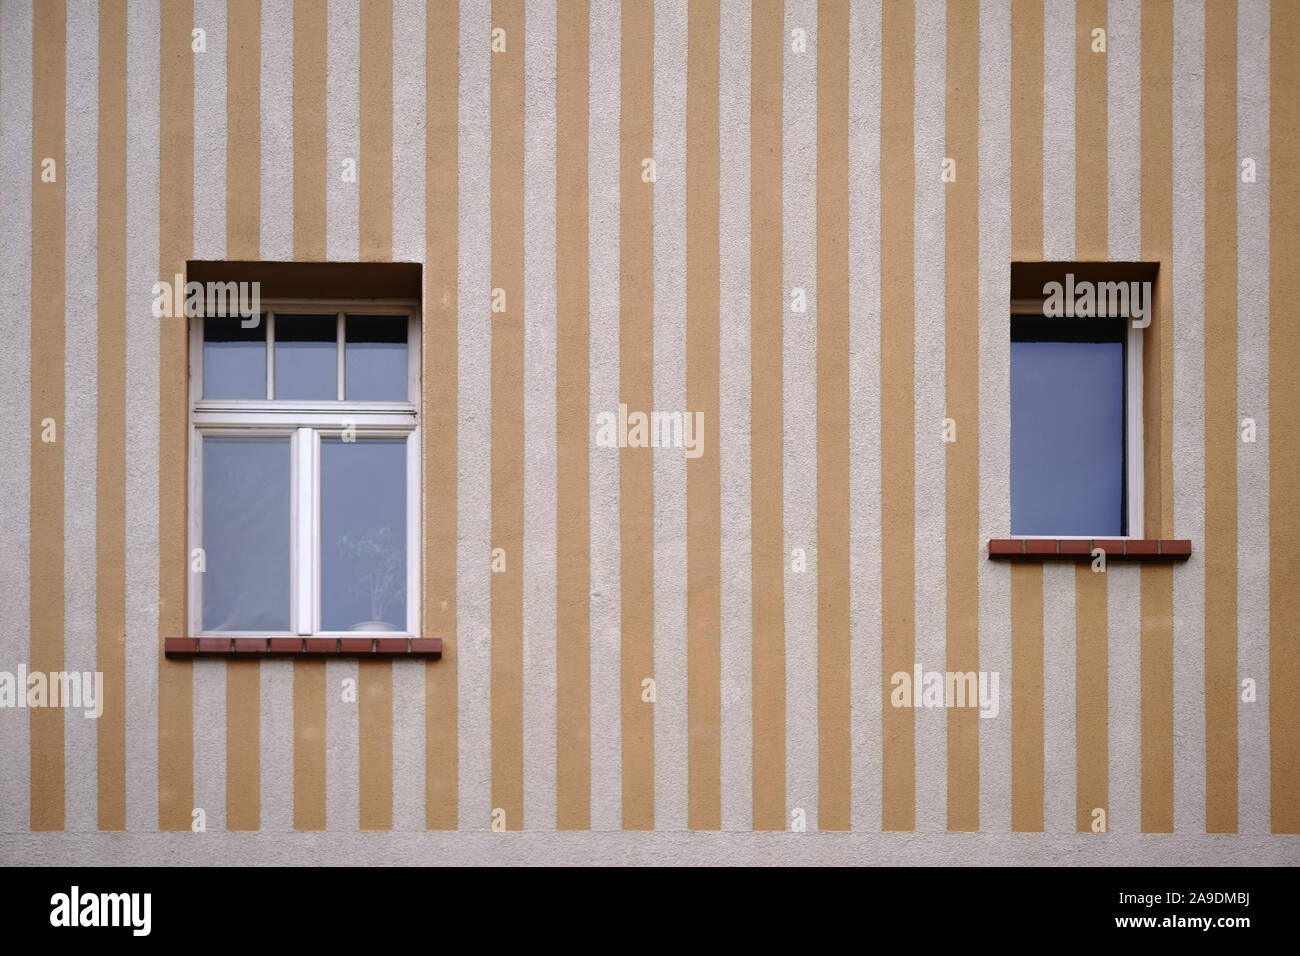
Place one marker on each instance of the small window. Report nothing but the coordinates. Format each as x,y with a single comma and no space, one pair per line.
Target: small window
1069,453
304,497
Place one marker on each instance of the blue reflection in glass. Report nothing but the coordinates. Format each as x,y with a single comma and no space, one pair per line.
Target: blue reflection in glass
363,534
306,356
1067,438
246,534
234,358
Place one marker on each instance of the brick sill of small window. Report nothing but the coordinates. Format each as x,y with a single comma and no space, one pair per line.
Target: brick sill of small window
1080,549
300,648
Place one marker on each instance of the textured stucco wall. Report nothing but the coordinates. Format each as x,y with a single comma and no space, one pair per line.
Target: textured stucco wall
410,843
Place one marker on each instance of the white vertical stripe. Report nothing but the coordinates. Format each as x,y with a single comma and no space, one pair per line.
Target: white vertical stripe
81,405
539,418
408,246
1123,125
209,677
1123,582
606,550
799,257
343,131
670,738
1189,414
1059,598
210,132
1058,131
275,760
16,171
408,745
995,402
1255,807
143,660
276,192
733,430
409,54
342,746
865,24
930,564
474,403
276,106
209,741
1060,726
1124,593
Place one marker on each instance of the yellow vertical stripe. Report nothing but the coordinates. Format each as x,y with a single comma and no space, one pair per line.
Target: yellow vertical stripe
243,241
1091,648
1221,417
438,413
897,427
636,387
309,35
703,474
110,467
1027,756
176,242
767,427
572,398
1026,130
834,758
375,678
507,686
961,351
49,427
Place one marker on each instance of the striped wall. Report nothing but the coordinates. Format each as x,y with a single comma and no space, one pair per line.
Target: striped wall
798,271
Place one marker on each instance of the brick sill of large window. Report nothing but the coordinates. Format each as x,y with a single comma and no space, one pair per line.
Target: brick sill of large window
304,648
1080,549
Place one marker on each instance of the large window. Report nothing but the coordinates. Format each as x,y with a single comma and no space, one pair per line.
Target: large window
304,492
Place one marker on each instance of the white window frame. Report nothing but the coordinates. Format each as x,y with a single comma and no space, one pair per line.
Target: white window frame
1133,451
306,423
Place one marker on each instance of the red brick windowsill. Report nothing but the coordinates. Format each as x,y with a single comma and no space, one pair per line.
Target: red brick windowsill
381,648
1080,549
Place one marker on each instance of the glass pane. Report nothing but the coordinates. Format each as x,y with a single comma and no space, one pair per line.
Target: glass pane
363,534
1067,438
306,356
246,534
234,358
375,358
